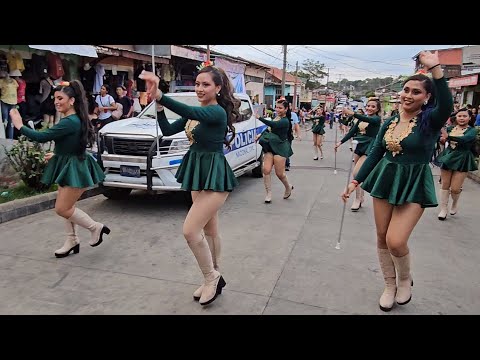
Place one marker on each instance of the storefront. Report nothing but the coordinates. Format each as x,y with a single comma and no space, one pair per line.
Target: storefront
33,64
467,88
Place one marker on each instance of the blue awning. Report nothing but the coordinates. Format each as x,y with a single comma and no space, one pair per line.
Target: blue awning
82,50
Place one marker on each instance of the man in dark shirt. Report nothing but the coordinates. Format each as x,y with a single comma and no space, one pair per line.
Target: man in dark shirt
125,101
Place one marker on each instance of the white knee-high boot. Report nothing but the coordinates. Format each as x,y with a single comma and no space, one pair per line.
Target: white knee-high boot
444,195
97,229
71,243
267,181
388,270
288,187
315,152
214,281
214,243
404,290
455,197
357,202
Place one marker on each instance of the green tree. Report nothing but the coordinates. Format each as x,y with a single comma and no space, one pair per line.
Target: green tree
313,72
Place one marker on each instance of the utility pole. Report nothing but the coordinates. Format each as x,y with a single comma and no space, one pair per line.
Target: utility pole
326,87
208,53
295,89
340,79
284,68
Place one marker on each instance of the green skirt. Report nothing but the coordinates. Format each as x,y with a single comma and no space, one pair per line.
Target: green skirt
205,171
402,183
70,170
280,147
318,129
457,160
363,146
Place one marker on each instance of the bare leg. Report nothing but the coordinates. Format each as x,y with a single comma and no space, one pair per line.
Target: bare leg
66,199
267,178
65,207
211,234
404,219
319,145
205,206
383,213
315,148
458,177
446,176
279,162
214,244
357,202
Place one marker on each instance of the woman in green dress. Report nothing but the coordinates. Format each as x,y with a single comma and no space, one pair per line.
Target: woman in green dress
364,130
397,174
276,148
204,169
70,166
318,130
456,161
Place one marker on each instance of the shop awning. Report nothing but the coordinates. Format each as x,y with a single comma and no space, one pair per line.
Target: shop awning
82,50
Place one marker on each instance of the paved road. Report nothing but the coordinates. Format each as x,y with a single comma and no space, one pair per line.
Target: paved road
277,259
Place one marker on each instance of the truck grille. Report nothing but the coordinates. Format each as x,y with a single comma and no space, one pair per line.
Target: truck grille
120,146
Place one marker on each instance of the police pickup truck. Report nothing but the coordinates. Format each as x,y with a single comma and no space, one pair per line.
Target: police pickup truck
134,157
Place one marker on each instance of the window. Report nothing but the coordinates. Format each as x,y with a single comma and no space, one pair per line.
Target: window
250,78
268,100
245,111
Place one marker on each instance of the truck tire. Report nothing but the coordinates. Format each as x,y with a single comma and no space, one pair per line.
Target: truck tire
258,172
116,193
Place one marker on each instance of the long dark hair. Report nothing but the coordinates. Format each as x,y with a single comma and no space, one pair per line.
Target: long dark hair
74,89
286,105
379,105
426,109
225,98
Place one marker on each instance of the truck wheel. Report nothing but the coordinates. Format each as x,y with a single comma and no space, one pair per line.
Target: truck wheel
116,193
258,172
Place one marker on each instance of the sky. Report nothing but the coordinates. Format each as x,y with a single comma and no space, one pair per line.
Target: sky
352,62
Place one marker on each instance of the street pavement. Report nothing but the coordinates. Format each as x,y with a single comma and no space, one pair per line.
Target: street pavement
277,258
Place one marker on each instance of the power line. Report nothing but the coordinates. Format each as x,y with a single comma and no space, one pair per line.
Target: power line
356,67
357,58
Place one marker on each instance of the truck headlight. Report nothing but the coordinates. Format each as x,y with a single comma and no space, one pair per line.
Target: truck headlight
179,146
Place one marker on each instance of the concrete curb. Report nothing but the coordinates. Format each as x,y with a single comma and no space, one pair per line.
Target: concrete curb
23,207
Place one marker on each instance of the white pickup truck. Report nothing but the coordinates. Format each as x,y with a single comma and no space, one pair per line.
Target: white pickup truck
133,157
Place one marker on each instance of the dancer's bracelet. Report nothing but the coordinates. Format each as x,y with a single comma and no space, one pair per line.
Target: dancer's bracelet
355,182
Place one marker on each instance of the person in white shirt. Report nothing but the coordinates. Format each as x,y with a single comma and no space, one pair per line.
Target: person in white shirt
106,104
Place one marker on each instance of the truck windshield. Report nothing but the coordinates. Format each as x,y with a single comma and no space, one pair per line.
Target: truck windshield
150,111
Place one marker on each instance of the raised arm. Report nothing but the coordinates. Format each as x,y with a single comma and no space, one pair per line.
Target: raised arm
64,127
353,130
173,128
211,114
444,104
375,119
468,136
275,124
